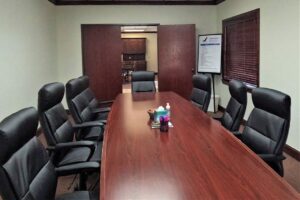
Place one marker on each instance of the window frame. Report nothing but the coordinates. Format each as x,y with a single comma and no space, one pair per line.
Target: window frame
237,19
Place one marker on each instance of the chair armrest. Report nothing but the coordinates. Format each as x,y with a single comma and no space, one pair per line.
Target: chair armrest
88,124
71,145
78,168
103,121
76,144
238,134
101,110
271,157
106,102
218,118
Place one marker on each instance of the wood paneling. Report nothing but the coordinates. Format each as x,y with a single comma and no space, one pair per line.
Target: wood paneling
197,159
101,52
176,58
292,152
136,2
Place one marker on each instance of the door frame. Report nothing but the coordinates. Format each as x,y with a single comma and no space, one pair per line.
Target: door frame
134,24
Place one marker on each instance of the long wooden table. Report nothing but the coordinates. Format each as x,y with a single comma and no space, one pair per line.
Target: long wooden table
197,159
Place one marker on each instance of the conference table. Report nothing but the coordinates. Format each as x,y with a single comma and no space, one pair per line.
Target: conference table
196,159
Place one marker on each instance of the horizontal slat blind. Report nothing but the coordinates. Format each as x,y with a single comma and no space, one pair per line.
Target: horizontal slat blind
241,48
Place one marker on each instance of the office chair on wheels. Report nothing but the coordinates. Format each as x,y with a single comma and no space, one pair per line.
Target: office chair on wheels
201,91
26,172
236,107
267,128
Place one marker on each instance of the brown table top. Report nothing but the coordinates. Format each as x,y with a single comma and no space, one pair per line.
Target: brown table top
197,159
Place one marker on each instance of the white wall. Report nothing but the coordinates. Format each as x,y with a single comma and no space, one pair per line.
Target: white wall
27,52
279,52
151,48
69,19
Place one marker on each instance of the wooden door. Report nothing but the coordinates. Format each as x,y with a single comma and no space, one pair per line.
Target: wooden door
176,58
101,51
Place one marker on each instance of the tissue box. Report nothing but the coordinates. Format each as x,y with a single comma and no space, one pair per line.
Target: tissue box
158,114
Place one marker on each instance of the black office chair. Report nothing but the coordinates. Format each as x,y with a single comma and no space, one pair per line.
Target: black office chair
201,91
143,81
267,128
236,107
97,107
59,131
80,109
81,101
26,173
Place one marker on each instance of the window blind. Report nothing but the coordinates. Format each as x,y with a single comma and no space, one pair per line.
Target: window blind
241,48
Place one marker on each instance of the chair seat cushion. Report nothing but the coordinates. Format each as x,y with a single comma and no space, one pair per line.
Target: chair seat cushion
81,154
102,116
93,134
79,195
75,155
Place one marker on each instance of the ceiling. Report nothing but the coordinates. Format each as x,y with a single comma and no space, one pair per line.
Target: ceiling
136,2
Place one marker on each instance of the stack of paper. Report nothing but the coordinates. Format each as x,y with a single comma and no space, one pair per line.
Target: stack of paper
157,125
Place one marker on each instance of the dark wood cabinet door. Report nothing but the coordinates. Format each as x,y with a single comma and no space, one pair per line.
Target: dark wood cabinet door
101,51
134,45
140,65
176,58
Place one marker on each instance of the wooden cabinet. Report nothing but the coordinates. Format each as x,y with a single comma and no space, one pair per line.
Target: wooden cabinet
136,65
134,53
140,65
134,45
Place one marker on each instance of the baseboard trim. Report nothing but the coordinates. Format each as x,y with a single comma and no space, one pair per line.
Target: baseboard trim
292,152
287,149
